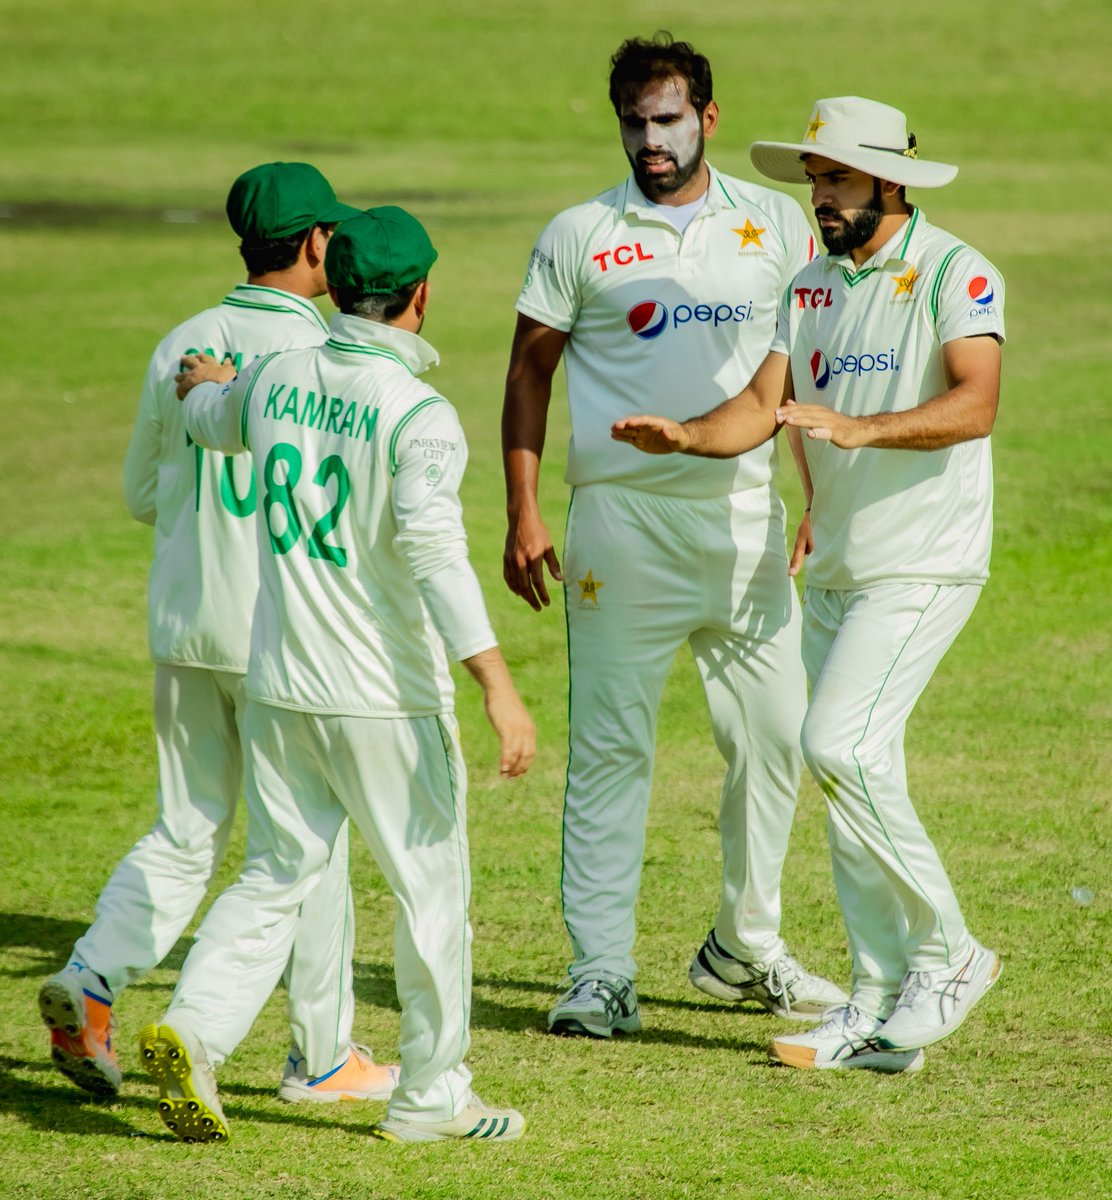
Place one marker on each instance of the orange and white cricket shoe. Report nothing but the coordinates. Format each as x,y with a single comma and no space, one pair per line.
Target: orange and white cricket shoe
81,1028
358,1077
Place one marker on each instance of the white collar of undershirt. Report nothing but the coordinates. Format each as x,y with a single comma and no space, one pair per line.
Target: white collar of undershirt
678,215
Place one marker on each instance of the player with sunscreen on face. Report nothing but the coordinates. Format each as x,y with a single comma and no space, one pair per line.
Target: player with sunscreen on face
665,285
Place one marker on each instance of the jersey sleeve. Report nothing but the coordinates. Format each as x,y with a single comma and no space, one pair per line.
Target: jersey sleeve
141,460
782,338
216,414
551,293
968,297
799,240
428,459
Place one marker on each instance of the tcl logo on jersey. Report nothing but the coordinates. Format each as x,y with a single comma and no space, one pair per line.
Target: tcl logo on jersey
823,370
621,256
649,318
980,291
813,297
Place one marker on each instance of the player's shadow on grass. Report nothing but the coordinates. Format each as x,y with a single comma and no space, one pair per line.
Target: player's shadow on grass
53,1105
50,940
374,984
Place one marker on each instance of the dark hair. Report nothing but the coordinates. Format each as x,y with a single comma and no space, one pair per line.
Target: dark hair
385,307
277,254
637,62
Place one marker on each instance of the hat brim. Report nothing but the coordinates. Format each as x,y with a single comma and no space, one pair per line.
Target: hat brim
781,160
338,212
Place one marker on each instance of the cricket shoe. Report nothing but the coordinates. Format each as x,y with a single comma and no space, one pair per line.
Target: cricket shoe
81,1026
933,1004
477,1121
188,1102
780,985
845,1039
358,1077
596,1008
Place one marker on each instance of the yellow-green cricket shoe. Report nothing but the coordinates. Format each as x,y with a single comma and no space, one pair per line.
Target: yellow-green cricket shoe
188,1102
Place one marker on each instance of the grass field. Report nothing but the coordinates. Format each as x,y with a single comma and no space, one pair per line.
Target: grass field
124,123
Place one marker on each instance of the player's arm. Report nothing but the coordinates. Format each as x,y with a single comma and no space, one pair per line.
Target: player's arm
962,413
534,357
804,541
736,425
432,541
214,397
143,453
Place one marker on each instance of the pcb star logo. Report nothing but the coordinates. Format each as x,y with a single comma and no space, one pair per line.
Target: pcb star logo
588,589
905,283
750,235
813,128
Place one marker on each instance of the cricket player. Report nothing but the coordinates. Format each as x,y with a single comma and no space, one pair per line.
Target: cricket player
365,590
664,286
202,589
887,353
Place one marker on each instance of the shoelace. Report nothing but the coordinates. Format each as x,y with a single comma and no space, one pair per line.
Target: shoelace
611,994
782,973
915,984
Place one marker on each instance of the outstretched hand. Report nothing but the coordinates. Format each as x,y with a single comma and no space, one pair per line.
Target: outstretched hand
824,424
653,435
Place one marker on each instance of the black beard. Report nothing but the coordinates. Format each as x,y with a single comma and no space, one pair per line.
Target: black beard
854,233
655,186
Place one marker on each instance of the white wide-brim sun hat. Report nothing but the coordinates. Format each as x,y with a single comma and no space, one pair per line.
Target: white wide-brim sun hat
863,134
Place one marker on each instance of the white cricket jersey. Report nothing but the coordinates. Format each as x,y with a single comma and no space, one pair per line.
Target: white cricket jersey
869,340
204,576
357,465
664,322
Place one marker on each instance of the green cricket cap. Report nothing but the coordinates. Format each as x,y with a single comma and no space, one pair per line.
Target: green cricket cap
278,199
378,252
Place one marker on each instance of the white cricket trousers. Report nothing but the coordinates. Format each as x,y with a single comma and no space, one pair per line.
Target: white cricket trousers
642,574
403,783
869,655
153,893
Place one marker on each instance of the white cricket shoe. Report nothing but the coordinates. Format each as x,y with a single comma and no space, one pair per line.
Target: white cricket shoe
476,1120
358,1077
188,1102
846,1039
933,1004
781,985
596,1008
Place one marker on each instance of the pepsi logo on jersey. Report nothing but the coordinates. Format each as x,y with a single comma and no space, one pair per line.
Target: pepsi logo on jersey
649,318
982,293
824,369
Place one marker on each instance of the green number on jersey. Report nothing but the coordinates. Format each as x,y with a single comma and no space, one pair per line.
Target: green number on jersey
237,505
282,495
333,466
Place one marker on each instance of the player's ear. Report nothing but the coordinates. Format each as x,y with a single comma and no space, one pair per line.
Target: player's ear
421,298
710,119
316,244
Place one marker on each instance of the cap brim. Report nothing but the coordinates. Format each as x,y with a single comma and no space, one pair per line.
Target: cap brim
338,212
781,160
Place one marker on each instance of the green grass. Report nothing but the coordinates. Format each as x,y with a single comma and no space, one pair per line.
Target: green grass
484,120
